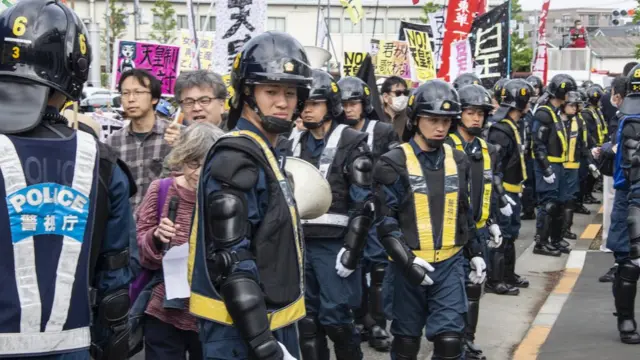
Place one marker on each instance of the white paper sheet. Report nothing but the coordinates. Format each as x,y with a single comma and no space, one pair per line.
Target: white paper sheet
174,266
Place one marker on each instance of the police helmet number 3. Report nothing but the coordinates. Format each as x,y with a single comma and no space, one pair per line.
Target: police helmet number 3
20,26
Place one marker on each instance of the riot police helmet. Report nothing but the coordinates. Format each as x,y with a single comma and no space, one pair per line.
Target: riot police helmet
631,103
274,58
594,94
497,89
536,83
466,79
560,85
46,49
354,89
324,88
434,98
474,97
586,84
573,98
516,94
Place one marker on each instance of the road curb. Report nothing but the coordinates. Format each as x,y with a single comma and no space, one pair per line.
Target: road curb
549,312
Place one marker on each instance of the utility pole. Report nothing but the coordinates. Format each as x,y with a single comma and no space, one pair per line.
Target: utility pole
94,40
136,18
107,56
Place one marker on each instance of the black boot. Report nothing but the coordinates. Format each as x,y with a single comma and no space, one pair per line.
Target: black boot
543,246
474,292
406,347
557,230
580,209
496,283
610,276
510,276
589,199
528,214
568,221
379,338
624,292
312,339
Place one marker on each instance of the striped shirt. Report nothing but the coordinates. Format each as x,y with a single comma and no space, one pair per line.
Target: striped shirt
143,155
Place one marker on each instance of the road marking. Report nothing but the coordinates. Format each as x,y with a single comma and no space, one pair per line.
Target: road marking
549,312
601,211
591,232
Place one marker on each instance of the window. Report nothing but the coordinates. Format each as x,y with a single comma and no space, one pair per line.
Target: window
276,23
379,26
334,25
182,22
393,26
349,28
593,20
566,18
211,25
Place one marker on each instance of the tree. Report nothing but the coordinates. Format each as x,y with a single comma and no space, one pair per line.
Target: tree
430,8
116,20
521,52
164,28
636,20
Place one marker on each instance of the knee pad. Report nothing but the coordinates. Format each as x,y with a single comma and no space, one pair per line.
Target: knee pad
406,347
341,335
308,327
474,291
628,272
447,346
552,208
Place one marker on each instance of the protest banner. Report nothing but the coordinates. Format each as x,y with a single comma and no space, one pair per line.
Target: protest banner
436,21
205,38
162,61
423,68
237,21
459,18
352,62
489,40
230,91
461,59
390,58
541,59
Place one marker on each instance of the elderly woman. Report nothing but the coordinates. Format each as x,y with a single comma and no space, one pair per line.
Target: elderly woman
170,330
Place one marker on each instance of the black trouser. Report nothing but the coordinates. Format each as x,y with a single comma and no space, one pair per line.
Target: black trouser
165,341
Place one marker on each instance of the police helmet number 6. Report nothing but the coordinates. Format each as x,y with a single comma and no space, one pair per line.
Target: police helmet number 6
636,74
20,26
83,44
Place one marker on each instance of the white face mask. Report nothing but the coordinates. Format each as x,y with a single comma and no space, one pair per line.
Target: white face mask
399,103
613,103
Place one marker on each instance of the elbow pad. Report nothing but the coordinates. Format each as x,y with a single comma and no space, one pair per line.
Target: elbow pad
362,171
398,252
227,216
633,221
245,303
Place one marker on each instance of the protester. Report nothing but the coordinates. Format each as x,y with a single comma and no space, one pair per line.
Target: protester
395,96
141,144
170,330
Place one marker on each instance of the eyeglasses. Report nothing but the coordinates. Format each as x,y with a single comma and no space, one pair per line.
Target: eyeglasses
136,93
202,101
194,165
401,92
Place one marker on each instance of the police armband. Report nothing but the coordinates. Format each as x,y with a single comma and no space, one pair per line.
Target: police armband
227,216
356,237
542,136
362,171
403,257
633,222
245,303
113,311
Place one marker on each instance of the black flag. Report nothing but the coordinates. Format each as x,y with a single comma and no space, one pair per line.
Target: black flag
489,40
366,73
418,27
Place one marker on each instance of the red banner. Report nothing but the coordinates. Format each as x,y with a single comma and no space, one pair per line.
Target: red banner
459,18
541,60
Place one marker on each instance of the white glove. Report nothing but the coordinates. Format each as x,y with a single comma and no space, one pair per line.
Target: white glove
636,262
550,179
594,171
507,210
343,272
478,270
425,265
496,234
285,352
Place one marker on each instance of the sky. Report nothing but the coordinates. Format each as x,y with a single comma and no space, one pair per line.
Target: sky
563,4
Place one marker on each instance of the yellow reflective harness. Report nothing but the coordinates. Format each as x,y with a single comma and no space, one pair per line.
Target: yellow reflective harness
214,309
487,177
600,127
573,142
424,224
560,130
516,188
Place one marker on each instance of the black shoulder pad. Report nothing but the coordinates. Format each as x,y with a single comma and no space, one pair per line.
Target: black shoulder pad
133,189
502,127
384,173
385,128
493,148
459,156
234,167
283,146
352,138
544,115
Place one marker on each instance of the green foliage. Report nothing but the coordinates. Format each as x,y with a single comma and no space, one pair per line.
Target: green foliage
430,8
521,51
116,23
164,30
636,20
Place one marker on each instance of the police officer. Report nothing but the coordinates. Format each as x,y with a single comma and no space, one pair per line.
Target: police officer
475,105
63,229
466,79
515,103
334,241
381,137
550,151
247,261
529,192
577,152
598,133
426,225
624,234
